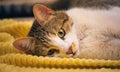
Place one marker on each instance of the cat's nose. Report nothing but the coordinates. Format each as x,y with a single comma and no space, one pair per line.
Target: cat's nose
69,50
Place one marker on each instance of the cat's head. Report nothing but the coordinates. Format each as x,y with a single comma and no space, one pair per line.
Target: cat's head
52,34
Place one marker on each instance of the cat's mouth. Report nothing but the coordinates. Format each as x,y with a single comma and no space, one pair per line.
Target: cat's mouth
72,50
73,54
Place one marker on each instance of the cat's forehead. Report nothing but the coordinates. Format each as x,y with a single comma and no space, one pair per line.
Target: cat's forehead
61,15
61,20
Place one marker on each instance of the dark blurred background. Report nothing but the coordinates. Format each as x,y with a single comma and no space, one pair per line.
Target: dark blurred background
23,8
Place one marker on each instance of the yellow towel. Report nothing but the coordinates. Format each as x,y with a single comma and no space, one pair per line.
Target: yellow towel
13,60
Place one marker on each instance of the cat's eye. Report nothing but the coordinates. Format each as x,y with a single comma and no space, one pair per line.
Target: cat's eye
51,51
61,33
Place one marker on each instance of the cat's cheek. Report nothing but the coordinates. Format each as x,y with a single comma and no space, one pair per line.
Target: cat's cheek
60,43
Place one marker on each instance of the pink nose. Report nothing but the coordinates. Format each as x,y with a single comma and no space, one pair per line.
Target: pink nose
69,50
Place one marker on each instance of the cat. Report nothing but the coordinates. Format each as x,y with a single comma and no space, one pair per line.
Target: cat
88,31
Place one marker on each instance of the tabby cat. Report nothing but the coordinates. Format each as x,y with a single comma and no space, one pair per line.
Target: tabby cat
89,30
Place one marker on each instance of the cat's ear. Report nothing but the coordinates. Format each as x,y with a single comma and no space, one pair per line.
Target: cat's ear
24,44
42,13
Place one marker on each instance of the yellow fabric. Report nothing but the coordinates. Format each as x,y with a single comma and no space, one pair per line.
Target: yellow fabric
13,60
11,68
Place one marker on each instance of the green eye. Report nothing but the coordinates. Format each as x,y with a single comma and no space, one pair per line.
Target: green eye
61,33
51,51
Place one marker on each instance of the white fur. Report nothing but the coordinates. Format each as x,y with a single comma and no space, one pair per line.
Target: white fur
69,39
96,33
95,30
